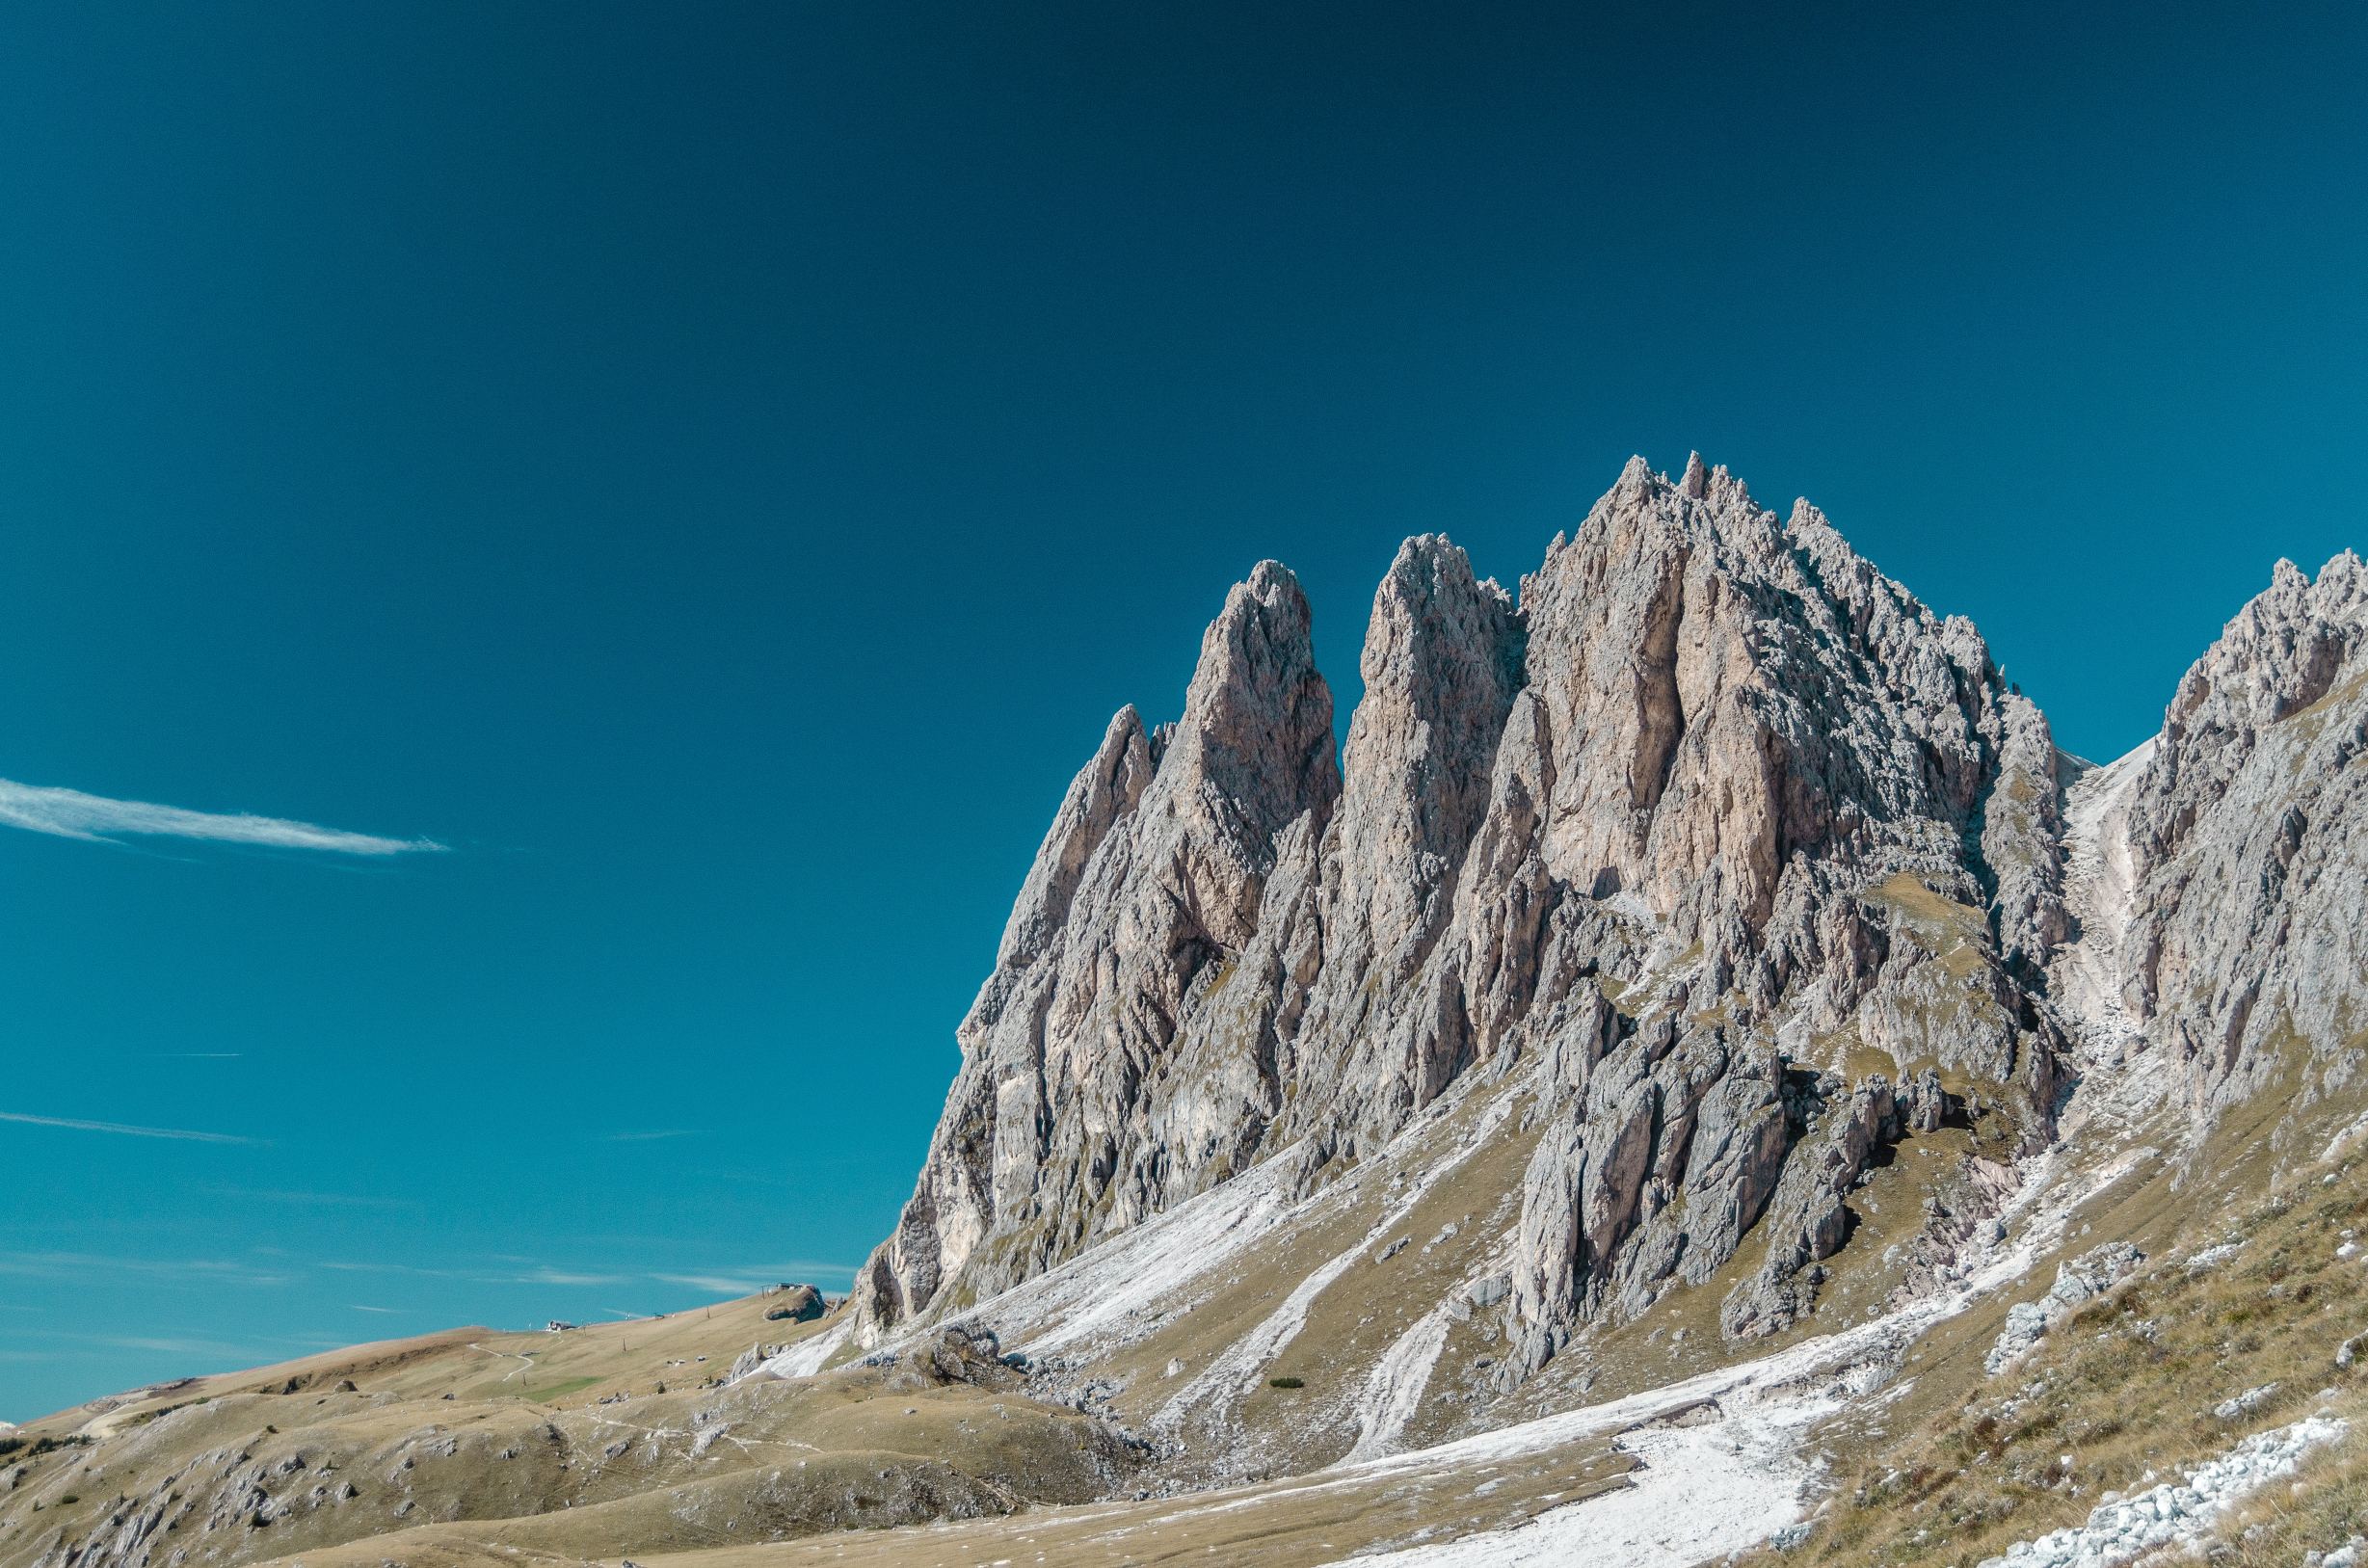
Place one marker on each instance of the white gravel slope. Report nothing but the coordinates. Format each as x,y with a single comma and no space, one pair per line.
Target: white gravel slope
2118,1532
1744,1472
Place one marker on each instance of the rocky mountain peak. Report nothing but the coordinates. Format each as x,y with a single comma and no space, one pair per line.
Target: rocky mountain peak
1106,790
1257,728
1712,767
1442,661
2277,656
2246,832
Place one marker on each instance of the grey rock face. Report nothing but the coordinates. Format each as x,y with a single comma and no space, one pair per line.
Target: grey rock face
1713,818
2248,839
751,1358
1441,665
1133,948
794,1304
2078,1281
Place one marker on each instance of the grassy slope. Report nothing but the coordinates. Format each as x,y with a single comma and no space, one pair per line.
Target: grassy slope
594,1441
1961,1464
1354,1320
1284,1524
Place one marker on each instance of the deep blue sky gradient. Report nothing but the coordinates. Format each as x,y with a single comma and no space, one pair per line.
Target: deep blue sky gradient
718,469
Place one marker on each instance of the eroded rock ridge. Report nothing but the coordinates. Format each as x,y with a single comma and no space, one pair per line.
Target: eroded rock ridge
1711,804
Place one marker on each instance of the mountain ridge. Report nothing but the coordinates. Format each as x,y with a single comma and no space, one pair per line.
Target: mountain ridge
1694,713
1659,1055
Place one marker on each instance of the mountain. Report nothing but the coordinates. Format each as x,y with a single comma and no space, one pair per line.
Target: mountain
2248,839
1717,798
1699,1072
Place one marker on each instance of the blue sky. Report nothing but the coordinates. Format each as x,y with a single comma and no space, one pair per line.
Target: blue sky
711,473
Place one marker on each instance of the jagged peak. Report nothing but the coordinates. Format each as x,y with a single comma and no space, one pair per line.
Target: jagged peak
1711,514
1714,485
1696,482
2277,654
2339,594
1429,565
1272,577
1421,555
1709,506
2342,585
1263,632
1442,648
1438,637
1707,498
1104,791
2337,599
1257,723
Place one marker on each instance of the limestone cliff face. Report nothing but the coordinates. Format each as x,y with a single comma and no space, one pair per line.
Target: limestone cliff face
1150,892
1716,803
2248,837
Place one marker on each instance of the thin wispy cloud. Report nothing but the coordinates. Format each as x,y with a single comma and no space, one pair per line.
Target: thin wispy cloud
556,1276
74,1123
78,1265
746,1279
392,1311
71,814
179,1346
648,1137
716,1282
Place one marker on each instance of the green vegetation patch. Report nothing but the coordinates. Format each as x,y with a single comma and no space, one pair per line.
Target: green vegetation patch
1957,934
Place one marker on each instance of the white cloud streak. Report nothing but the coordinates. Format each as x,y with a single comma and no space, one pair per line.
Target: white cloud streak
716,1284
80,1265
76,1125
560,1276
70,813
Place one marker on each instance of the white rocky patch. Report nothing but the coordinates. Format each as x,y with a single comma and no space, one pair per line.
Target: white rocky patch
2171,1513
1237,1371
2099,883
1393,1389
2079,1281
1143,1273
805,1358
1704,1492
1717,1486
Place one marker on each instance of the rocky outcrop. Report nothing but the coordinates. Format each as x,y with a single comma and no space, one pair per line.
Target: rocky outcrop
2079,1281
2246,835
1134,948
1381,1035
794,1304
1712,820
